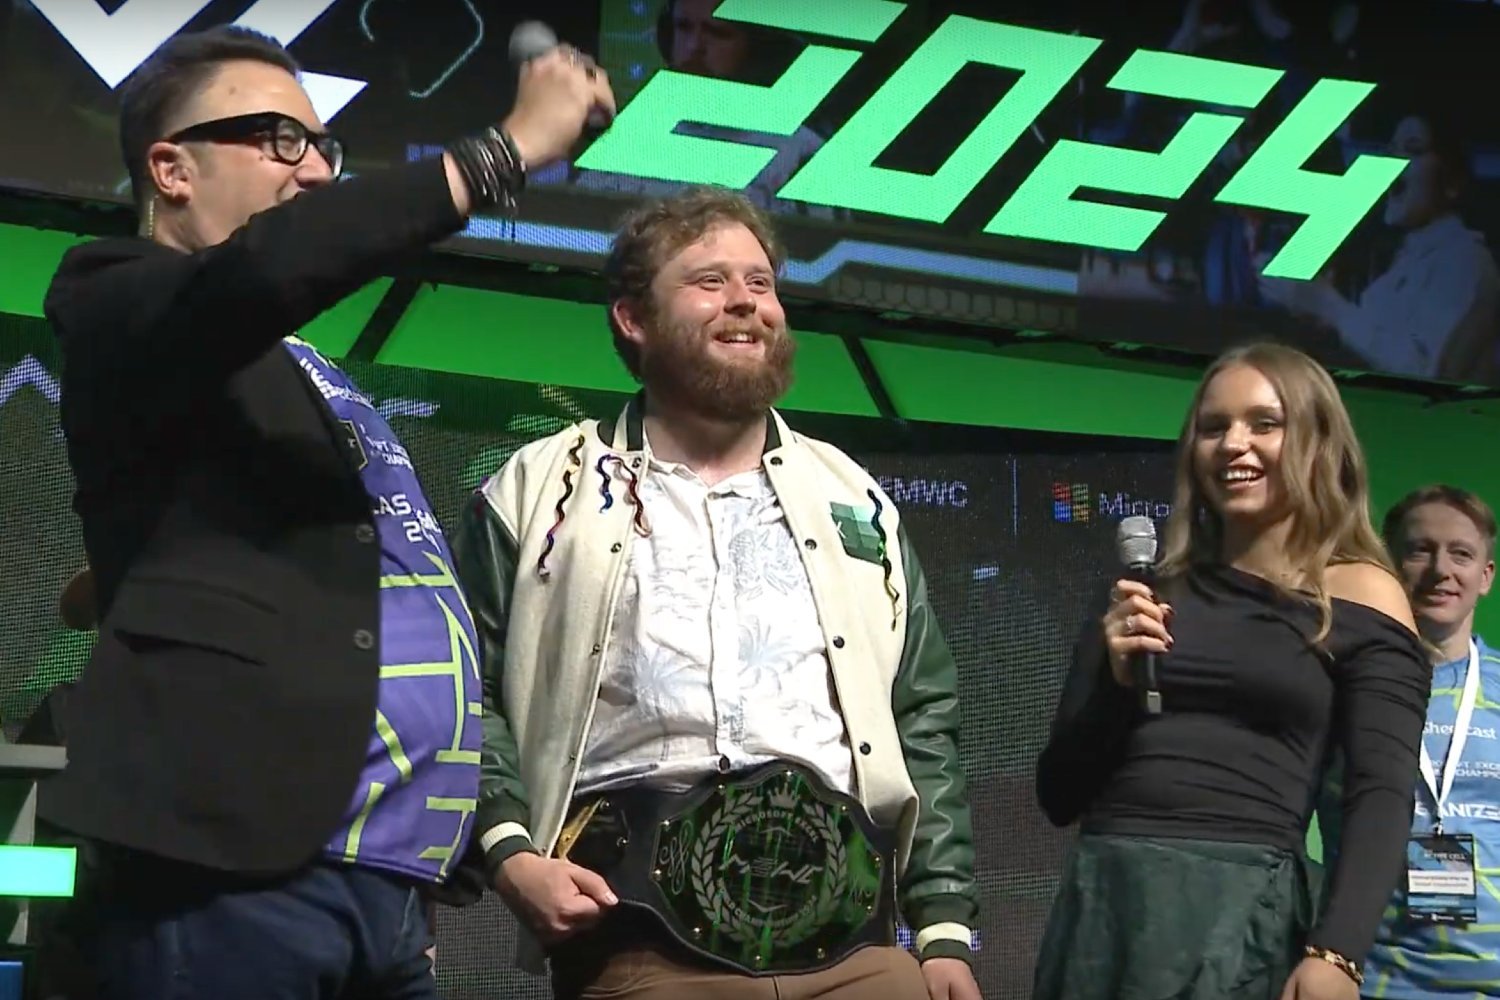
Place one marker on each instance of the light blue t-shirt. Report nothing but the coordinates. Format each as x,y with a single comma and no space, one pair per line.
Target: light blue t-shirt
1412,961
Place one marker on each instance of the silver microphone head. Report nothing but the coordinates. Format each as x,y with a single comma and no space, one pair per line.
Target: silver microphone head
529,40
1135,541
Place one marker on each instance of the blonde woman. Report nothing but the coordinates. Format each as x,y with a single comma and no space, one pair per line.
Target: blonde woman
1281,632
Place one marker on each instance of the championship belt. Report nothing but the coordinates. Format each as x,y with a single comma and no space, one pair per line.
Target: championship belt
765,872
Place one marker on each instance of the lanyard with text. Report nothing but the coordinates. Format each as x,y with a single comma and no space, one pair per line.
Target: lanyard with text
1440,868
1456,742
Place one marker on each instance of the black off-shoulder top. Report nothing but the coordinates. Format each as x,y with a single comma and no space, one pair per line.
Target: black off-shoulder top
1251,708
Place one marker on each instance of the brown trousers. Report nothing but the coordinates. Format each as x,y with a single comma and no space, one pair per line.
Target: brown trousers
643,972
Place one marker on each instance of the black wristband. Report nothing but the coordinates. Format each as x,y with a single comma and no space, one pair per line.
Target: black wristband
482,188
517,166
491,168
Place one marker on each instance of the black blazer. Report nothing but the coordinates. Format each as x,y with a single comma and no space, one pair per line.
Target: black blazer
225,713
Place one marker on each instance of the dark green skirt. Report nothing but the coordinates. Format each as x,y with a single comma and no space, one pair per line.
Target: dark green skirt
1144,918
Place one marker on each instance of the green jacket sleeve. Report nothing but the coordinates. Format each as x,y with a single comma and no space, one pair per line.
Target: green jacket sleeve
937,893
485,553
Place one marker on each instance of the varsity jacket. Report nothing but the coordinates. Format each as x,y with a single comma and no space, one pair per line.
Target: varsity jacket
542,556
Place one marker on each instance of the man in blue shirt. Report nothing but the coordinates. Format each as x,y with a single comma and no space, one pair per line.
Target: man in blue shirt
1443,541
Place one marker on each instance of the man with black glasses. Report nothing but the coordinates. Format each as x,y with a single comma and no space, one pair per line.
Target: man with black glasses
275,745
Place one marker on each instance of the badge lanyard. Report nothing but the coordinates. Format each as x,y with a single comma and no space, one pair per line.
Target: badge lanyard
1456,742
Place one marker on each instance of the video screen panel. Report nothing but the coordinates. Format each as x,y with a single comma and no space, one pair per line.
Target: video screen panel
1185,175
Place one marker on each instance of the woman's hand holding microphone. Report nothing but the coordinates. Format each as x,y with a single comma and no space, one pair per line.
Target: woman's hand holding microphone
1134,624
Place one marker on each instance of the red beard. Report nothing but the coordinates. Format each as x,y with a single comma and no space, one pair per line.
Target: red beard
679,364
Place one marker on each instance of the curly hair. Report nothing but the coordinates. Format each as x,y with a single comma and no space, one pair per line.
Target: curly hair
657,231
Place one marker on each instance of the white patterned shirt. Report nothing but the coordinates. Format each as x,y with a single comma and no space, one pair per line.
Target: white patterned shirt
716,660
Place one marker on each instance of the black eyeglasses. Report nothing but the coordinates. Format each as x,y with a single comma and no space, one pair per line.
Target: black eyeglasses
282,136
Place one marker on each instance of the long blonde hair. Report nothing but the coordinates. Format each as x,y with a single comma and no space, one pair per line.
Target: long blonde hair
1322,470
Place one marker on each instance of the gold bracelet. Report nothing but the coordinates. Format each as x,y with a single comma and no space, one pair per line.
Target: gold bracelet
1338,961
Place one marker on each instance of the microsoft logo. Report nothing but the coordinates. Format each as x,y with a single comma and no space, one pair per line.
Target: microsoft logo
1070,502
1075,503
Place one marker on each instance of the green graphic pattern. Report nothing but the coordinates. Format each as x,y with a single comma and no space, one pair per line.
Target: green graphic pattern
843,173
1044,208
461,654
1274,178
642,142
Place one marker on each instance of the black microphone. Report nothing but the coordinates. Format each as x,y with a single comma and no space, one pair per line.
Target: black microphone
533,39
1135,541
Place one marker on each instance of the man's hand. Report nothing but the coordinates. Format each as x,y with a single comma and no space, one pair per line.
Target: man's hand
555,898
1315,979
557,94
950,979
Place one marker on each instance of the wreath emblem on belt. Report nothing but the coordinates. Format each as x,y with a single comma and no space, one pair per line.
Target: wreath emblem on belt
770,867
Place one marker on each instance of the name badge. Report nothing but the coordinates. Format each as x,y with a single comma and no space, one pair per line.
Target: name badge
1440,879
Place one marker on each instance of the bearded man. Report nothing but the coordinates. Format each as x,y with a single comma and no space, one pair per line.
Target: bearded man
720,718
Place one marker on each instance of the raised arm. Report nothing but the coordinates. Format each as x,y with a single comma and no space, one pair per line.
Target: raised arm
140,314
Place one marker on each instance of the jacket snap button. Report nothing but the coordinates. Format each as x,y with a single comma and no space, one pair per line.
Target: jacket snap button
364,639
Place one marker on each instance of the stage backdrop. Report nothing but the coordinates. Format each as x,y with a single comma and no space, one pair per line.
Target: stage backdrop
1014,531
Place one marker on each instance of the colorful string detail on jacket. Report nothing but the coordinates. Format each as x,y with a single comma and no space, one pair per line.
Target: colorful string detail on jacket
885,561
574,464
632,490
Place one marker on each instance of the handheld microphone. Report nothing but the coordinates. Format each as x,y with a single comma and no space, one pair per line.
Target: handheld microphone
533,39
529,40
1135,542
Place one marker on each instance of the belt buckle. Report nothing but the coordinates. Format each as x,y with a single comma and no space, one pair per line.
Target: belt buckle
574,828
772,872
